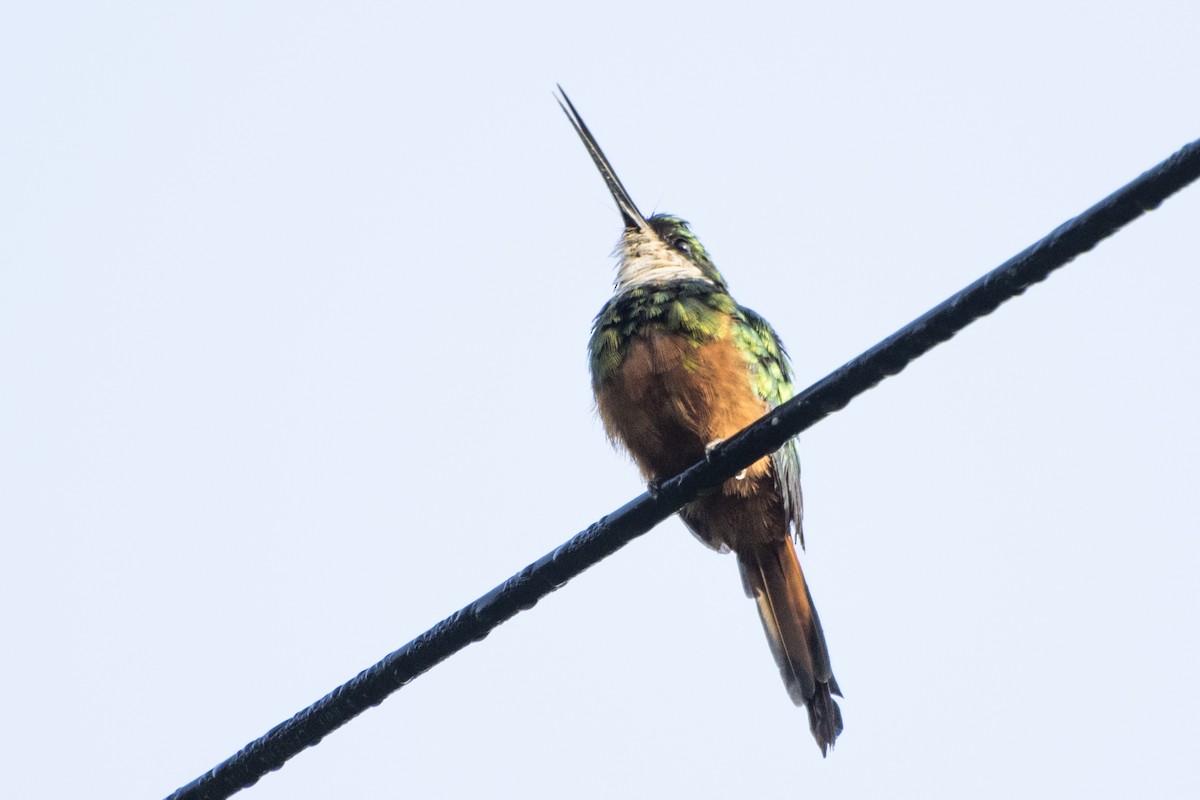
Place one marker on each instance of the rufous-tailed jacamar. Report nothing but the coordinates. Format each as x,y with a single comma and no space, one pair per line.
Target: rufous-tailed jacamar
677,367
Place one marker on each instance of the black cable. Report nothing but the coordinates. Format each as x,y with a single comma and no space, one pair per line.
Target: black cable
614,531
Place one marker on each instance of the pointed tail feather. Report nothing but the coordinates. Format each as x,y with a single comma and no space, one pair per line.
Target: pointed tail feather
771,574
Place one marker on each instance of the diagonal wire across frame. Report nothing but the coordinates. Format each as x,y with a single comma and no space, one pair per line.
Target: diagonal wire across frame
612,532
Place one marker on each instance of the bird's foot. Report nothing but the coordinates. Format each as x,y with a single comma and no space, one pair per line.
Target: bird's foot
652,488
708,448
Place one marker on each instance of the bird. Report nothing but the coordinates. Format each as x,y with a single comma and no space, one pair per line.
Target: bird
677,367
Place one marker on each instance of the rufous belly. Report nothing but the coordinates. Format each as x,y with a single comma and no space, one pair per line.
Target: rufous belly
668,401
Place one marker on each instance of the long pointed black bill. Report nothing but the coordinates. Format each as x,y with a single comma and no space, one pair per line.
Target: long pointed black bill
629,212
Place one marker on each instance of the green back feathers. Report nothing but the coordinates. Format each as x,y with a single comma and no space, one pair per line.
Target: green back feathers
696,310
691,308
765,356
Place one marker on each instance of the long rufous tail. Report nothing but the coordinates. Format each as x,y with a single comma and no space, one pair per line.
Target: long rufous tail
771,574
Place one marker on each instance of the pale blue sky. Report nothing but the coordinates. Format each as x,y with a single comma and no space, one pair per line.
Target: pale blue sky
294,300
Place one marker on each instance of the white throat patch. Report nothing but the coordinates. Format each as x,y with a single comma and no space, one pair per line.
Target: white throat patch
644,258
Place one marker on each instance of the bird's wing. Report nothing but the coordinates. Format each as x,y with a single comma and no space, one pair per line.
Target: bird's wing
771,376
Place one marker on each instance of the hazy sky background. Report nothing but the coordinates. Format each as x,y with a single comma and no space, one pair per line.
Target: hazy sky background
294,300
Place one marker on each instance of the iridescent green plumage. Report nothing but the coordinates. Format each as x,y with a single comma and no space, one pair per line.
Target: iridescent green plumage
690,308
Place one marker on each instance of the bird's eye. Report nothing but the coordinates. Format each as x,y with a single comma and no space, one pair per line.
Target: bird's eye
683,246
